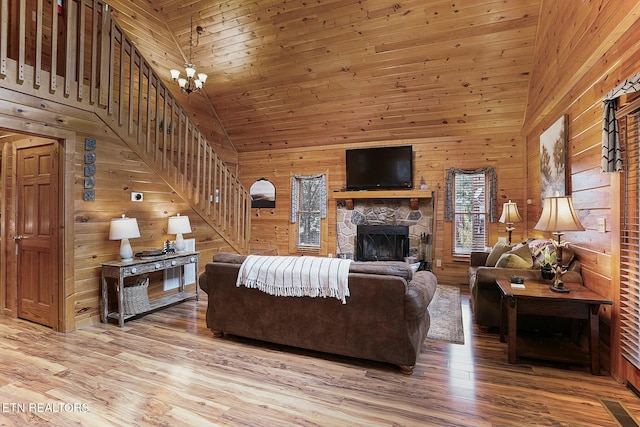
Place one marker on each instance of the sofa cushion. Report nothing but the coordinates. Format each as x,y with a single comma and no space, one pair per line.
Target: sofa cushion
229,258
518,257
497,251
391,268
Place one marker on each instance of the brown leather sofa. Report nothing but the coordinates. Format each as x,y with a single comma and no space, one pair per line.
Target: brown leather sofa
385,319
485,294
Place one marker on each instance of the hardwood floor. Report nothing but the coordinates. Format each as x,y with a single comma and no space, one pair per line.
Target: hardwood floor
165,369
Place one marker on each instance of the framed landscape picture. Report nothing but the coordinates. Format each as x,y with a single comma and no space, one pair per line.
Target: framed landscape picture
263,194
553,159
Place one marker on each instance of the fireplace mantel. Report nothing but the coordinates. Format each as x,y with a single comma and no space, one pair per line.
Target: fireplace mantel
414,196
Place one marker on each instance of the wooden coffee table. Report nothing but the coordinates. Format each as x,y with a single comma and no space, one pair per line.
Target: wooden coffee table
536,298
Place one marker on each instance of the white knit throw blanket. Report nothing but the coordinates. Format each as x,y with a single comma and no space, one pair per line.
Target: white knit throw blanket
296,276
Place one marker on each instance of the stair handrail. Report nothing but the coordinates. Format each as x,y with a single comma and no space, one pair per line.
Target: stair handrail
135,103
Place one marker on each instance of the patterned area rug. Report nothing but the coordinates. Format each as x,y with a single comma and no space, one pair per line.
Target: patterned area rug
446,315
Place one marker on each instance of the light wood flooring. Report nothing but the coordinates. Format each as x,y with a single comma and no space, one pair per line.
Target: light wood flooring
165,369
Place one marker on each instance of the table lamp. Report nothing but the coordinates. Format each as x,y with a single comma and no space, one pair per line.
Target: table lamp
124,229
179,225
509,216
558,216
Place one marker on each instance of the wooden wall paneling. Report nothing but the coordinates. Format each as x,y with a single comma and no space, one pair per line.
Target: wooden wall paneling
577,90
270,227
285,71
564,57
151,33
119,171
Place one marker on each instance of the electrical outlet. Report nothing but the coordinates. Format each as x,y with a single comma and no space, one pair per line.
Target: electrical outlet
438,263
136,196
602,225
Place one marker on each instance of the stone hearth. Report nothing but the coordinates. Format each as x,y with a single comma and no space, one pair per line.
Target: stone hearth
386,212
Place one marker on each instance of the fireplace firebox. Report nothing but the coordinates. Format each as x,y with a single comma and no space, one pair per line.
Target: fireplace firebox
382,243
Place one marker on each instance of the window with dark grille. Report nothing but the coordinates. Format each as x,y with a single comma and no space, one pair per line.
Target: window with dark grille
628,118
470,212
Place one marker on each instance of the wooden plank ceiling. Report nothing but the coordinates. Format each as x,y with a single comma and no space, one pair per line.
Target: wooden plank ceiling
314,72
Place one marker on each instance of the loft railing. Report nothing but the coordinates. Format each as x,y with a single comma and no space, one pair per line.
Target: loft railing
76,54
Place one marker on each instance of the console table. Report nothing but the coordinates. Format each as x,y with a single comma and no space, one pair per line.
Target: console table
536,298
119,270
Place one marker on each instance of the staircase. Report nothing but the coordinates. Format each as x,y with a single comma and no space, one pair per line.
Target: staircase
88,49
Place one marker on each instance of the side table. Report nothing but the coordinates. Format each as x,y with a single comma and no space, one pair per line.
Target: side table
536,298
119,270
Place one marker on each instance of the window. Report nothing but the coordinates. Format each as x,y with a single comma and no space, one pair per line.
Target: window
629,121
308,207
470,213
470,205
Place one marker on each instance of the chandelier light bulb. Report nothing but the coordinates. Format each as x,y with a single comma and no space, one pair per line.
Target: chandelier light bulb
190,71
198,84
175,74
182,83
202,77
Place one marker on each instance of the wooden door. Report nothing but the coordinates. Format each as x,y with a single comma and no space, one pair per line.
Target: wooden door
37,232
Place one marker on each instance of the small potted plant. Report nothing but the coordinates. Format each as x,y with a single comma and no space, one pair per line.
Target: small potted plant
546,268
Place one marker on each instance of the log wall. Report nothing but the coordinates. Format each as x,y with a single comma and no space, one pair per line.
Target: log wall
270,228
581,54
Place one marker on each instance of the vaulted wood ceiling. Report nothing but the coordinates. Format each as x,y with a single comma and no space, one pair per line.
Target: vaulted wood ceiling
314,72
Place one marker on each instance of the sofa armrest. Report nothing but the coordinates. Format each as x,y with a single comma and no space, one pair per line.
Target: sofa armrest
203,284
478,259
419,293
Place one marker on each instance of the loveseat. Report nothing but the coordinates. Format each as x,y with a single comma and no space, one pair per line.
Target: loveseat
503,262
384,319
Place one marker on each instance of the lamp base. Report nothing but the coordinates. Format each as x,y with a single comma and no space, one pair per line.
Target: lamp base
560,289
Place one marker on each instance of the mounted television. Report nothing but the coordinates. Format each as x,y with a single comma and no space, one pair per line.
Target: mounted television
380,168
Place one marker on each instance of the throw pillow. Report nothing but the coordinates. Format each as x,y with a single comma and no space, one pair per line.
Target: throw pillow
537,246
518,257
509,260
496,252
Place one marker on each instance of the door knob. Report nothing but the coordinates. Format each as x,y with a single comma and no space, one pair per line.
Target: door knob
18,237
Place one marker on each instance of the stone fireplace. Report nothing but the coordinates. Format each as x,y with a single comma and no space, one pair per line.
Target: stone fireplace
416,218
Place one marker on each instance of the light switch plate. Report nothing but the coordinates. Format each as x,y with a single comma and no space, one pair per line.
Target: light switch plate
602,225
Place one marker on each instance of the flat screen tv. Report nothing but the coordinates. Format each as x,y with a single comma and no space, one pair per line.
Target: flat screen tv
380,168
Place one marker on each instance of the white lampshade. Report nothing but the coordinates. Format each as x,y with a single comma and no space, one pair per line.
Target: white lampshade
202,77
510,213
124,229
174,74
179,225
190,71
182,82
558,216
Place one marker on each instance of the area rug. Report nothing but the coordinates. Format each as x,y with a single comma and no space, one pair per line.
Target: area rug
446,315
